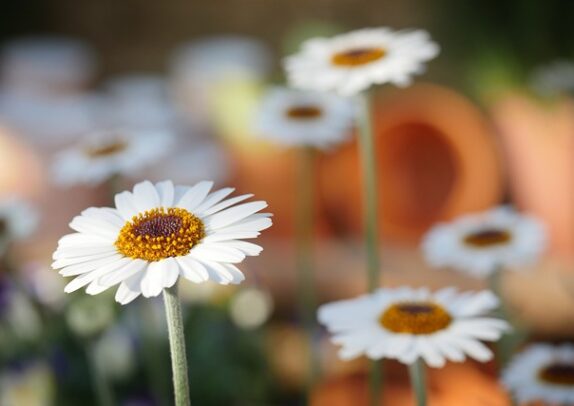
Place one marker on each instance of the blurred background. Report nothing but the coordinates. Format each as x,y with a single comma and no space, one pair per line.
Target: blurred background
484,126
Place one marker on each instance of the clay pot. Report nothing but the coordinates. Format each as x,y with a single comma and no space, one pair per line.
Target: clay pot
436,159
453,385
538,140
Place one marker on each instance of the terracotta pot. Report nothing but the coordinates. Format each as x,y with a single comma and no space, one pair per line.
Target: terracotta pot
453,385
436,159
539,145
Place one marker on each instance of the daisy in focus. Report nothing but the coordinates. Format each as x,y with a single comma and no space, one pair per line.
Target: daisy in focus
101,155
407,324
18,220
480,244
158,233
300,118
350,63
542,373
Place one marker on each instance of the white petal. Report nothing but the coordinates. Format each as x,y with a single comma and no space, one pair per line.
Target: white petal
213,198
227,203
145,196
234,214
62,262
89,225
217,252
166,193
171,272
125,204
84,251
89,266
192,270
86,278
129,289
195,196
246,247
152,282
132,267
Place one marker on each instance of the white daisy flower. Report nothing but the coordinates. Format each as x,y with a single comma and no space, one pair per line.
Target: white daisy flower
406,324
18,219
542,373
554,78
482,243
102,155
157,233
293,118
352,62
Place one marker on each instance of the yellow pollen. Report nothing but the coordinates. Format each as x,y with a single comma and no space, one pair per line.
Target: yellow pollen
358,56
160,233
558,374
488,237
415,318
304,112
107,149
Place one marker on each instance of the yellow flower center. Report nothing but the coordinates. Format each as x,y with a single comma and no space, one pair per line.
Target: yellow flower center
107,149
160,233
358,56
415,318
308,112
558,374
487,238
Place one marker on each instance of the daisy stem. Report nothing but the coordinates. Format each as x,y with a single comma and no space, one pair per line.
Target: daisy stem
104,394
177,346
418,381
307,299
370,216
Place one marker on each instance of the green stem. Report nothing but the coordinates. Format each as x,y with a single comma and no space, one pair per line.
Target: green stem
307,299
102,389
177,346
418,381
370,219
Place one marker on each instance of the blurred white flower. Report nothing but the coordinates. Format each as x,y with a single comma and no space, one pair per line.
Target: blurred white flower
50,119
299,118
114,353
554,78
543,373
139,101
46,286
480,244
250,308
21,317
90,316
99,156
350,63
28,385
18,220
192,162
46,65
205,72
157,234
407,324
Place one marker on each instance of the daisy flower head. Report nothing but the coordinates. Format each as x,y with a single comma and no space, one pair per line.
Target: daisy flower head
480,244
157,233
18,220
304,118
350,63
406,324
543,373
101,155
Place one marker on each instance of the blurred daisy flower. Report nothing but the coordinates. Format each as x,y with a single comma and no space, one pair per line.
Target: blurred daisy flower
407,324
157,233
542,373
101,155
352,62
300,118
480,244
18,220
554,78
